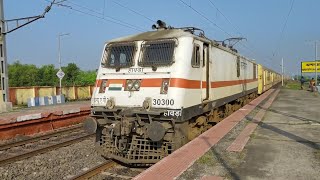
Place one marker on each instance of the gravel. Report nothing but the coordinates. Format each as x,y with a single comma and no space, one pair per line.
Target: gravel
118,173
62,163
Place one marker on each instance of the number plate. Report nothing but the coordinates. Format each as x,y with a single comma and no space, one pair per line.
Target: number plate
163,102
135,70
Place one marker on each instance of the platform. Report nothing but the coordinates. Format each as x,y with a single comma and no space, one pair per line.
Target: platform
277,139
27,121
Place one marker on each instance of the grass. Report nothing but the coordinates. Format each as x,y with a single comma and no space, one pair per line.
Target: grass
295,85
253,135
206,159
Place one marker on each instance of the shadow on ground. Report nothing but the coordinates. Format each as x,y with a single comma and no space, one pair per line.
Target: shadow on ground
231,170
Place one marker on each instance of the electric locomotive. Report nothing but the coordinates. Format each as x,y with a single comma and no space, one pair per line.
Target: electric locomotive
157,90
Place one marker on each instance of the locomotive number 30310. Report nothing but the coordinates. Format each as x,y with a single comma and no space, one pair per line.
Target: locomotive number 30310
167,102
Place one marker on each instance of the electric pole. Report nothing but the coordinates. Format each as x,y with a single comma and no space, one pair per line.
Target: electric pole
282,71
3,58
315,59
4,30
60,73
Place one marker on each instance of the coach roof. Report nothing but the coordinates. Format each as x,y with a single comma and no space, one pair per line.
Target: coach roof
154,35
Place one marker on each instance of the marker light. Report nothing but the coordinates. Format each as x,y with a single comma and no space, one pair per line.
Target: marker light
165,86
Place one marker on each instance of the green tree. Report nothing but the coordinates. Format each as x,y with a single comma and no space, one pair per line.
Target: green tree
14,73
71,73
31,75
86,78
22,74
47,76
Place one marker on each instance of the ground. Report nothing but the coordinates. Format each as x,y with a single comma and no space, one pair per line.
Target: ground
284,146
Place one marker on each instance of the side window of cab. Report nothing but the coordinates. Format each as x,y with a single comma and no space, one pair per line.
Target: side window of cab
195,62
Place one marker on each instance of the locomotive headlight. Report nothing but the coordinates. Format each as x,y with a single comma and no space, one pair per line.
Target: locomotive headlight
129,84
137,85
133,85
165,86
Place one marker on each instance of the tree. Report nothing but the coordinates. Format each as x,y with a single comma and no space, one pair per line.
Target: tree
86,78
47,76
14,74
31,75
71,73
22,74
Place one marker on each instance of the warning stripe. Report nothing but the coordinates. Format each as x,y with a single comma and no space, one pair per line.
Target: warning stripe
180,83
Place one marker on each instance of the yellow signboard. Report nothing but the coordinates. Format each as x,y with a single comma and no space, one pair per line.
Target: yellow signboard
310,67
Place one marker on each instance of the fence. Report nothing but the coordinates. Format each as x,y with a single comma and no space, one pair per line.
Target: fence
20,95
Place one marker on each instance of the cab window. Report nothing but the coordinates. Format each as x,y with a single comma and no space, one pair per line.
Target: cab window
119,55
196,56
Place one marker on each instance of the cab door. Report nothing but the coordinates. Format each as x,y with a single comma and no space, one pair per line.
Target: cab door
200,63
205,80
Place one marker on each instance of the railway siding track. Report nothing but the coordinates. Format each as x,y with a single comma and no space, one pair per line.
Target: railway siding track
19,150
38,138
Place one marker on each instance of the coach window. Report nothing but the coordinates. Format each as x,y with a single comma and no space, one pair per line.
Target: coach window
196,56
254,71
1,50
2,66
238,66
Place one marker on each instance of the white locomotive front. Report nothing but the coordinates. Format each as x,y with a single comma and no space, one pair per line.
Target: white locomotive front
157,90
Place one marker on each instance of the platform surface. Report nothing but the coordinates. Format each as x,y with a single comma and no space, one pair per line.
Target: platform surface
284,144
41,119
8,117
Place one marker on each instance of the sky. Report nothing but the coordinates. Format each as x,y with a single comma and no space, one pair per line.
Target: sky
272,28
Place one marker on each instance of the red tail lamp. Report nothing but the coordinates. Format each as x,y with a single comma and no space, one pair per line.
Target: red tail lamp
164,86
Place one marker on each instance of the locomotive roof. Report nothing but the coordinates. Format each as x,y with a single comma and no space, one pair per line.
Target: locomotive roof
167,34
153,35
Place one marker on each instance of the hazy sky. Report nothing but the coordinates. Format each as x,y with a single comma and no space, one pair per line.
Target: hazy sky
261,22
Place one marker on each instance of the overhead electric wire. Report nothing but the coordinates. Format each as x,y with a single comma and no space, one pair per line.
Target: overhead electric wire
125,24
103,16
136,12
111,19
104,7
283,29
89,9
206,18
203,16
234,26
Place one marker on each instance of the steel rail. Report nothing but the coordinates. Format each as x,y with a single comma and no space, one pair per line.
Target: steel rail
31,153
95,170
33,139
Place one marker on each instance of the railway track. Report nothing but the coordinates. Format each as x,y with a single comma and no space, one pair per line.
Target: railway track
95,170
42,137
107,170
27,148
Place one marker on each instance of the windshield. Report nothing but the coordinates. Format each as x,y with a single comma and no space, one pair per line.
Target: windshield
119,55
157,53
